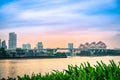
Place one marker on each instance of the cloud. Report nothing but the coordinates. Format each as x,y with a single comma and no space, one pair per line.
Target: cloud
67,20
54,13
118,35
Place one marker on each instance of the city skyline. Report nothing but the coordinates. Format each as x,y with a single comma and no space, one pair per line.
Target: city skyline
13,44
57,23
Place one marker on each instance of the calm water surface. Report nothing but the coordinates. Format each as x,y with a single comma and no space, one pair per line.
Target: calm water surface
20,67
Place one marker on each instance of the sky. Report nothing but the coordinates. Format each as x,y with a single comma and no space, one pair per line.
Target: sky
59,22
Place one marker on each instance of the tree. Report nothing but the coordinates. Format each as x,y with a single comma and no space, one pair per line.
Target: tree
3,52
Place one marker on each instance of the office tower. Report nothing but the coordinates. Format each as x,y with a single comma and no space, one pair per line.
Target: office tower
70,45
0,43
12,40
4,44
39,45
26,46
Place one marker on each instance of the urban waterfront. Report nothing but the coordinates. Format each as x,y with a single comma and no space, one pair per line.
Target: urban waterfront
39,36
14,67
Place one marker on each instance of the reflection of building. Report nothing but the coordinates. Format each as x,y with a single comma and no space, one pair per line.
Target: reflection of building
12,40
4,44
26,46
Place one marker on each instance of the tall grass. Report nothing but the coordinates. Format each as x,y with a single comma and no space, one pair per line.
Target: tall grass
85,71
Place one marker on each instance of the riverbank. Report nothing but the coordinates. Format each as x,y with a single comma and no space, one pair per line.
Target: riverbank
33,57
85,71
50,57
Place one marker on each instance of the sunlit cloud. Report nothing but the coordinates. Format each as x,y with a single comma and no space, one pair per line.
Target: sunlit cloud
70,20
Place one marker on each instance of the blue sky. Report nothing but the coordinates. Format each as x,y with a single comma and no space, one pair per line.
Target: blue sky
65,17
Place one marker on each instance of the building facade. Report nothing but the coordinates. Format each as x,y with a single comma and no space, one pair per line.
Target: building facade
4,44
93,45
26,46
12,40
39,45
70,47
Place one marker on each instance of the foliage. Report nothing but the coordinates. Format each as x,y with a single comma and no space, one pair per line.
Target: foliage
85,71
3,52
60,54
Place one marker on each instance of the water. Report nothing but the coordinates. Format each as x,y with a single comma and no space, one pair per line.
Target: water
20,67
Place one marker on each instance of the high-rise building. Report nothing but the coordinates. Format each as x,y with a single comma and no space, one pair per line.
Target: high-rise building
4,44
0,43
26,46
12,40
23,46
70,45
39,45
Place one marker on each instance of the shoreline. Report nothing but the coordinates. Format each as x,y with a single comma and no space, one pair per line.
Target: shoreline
50,57
82,72
33,57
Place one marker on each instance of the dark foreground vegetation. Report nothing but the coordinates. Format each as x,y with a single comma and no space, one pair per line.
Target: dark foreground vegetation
29,54
85,71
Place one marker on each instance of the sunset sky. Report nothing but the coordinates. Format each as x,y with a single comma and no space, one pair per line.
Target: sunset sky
58,22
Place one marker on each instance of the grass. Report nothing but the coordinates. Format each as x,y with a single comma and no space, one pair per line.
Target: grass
85,71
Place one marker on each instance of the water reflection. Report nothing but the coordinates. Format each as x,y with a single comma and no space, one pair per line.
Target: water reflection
20,67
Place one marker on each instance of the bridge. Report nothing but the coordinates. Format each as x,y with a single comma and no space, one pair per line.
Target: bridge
73,51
